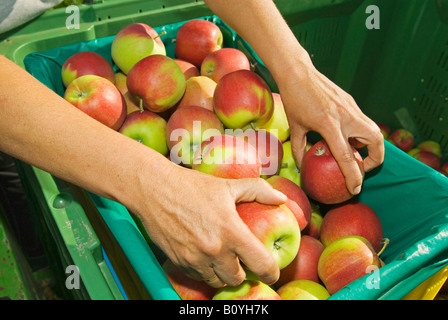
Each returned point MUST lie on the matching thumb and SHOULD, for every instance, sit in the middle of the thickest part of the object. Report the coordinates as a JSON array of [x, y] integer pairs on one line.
[[256, 189]]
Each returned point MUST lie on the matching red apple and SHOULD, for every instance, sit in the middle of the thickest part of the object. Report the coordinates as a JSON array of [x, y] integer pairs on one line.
[[229, 157], [430, 146], [313, 227], [385, 130], [303, 290], [346, 260], [189, 69], [99, 98], [275, 226], [221, 62], [198, 92], [85, 63], [247, 290], [120, 83], [147, 128], [196, 39], [242, 99], [402, 139], [296, 194], [320, 175], [352, 219], [278, 123], [444, 168], [187, 128], [304, 265], [133, 43], [157, 82], [428, 158], [186, 287]]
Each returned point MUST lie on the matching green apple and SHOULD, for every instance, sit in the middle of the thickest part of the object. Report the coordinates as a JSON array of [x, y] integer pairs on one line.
[[247, 290], [288, 168], [303, 290], [278, 124]]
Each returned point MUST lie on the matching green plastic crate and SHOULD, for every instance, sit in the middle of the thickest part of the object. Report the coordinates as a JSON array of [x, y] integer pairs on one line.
[[386, 70]]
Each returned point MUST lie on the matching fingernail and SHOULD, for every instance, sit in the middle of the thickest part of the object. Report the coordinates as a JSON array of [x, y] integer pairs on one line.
[[357, 190]]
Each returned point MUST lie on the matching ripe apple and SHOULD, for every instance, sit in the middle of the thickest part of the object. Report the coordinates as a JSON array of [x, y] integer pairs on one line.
[[431, 146], [227, 156], [85, 63], [275, 226], [428, 158], [402, 139], [247, 290], [352, 218], [133, 43], [196, 39], [278, 123], [199, 91], [147, 128], [186, 287], [303, 290], [187, 128], [296, 194], [99, 98], [189, 69], [313, 227], [221, 62], [304, 265], [385, 129], [120, 83], [320, 175], [242, 99], [444, 168], [346, 260], [269, 149], [289, 168], [157, 82]]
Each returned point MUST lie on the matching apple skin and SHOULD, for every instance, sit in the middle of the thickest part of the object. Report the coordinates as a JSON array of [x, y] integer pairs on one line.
[[296, 194], [133, 43], [199, 91], [444, 168], [85, 63], [247, 290], [147, 128], [221, 62], [186, 129], [189, 69], [120, 83], [196, 39], [385, 129], [430, 146], [186, 287], [346, 260], [228, 157], [243, 100], [303, 290], [402, 139], [313, 227], [304, 265], [99, 98], [157, 81], [275, 226], [352, 218], [278, 123], [320, 175], [289, 168], [428, 158]]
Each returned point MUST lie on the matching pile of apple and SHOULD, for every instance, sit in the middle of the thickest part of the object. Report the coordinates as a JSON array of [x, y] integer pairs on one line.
[[207, 110], [428, 152]]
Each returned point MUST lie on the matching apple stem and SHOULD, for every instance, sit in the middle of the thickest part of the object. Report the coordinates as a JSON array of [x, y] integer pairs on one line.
[[253, 126], [161, 34], [141, 105], [386, 242]]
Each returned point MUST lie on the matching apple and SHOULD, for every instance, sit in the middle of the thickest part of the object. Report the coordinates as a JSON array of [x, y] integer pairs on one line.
[[303, 290], [147, 128], [352, 218], [304, 265], [313, 227], [413, 152], [346, 260], [242, 99], [402, 139], [199, 91], [431, 146], [278, 123], [186, 287], [275, 226], [120, 83], [99, 98], [157, 82], [269, 149], [133, 43], [85, 63], [296, 194], [227, 156], [189, 69], [428, 158], [320, 175], [289, 168], [187, 128], [196, 39], [385, 129], [247, 290], [221, 62], [444, 168]]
